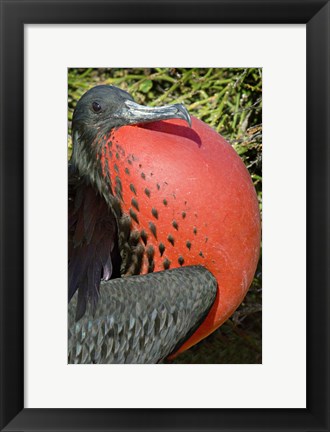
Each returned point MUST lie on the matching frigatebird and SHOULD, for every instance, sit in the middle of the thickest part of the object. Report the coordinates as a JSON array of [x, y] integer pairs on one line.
[[157, 241]]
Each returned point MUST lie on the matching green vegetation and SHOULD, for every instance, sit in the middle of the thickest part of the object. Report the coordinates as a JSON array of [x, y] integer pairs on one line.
[[230, 101]]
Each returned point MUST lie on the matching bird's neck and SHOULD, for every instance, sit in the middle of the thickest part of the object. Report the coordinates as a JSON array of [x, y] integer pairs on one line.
[[86, 159], [90, 162]]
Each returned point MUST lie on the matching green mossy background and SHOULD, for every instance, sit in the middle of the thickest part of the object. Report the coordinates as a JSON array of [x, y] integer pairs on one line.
[[230, 101]]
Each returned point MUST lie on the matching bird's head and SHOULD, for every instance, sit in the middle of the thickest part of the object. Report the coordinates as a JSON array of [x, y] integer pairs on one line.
[[104, 108]]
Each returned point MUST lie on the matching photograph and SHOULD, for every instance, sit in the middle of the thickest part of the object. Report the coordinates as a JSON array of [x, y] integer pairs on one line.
[[164, 215]]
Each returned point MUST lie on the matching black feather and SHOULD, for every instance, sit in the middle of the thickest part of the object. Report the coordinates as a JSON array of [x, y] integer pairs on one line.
[[93, 242]]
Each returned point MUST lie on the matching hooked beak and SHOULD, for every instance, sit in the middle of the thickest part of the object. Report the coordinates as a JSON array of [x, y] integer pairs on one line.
[[133, 113]]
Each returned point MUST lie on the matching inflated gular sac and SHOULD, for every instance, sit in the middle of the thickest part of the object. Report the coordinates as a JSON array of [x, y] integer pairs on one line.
[[192, 199]]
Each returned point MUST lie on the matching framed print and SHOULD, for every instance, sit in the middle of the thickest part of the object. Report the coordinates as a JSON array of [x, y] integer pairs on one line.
[[47, 45]]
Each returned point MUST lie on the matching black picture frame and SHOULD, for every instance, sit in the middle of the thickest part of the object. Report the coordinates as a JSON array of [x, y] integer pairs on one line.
[[14, 14]]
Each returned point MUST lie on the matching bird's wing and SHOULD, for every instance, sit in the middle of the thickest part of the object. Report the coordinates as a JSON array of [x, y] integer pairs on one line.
[[92, 243], [141, 319]]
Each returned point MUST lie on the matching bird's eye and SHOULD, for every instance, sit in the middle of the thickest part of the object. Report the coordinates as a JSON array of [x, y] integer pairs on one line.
[[96, 107]]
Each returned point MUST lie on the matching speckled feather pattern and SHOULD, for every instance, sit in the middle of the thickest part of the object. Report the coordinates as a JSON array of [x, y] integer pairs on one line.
[[164, 308]]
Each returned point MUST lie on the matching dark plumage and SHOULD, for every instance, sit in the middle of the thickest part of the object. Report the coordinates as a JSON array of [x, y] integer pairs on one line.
[[168, 307], [93, 243]]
